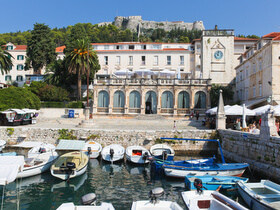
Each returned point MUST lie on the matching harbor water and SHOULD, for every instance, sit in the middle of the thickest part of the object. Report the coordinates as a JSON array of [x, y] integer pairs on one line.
[[119, 184]]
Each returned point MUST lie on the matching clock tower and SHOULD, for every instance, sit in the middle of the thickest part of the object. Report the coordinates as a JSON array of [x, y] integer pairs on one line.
[[217, 53]]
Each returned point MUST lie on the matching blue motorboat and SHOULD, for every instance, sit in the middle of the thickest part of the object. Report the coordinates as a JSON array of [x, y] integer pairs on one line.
[[213, 182]]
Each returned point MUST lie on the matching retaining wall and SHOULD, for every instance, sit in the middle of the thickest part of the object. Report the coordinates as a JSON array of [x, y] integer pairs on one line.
[[263, 156]]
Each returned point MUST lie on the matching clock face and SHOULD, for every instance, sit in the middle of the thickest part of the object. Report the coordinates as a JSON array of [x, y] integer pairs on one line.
[[218, 54]]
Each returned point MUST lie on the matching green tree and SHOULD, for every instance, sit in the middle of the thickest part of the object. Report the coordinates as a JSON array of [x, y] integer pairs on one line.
[[215, 93], [53, 93], [40, 49], [184, 39], [36, 86], [18, 98], [5, 61], [77, 59]]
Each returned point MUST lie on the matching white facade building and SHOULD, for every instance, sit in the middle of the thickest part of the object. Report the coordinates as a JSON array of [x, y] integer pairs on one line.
[[257, 75]]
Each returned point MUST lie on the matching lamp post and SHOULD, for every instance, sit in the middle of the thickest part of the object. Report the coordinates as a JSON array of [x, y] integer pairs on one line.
[[87, 107]]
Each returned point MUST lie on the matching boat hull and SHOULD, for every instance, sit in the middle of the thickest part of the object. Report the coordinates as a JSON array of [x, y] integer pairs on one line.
[[118, 153], [134, 154], [181, 172], [159, 205], [96, 149], [66, 176]]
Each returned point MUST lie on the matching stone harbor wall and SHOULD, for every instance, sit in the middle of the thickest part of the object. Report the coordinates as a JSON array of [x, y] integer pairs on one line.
[[125, 138], [263, 156]]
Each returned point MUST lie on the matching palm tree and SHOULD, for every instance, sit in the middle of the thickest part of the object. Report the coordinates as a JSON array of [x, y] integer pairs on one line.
[[77, 60], [5, 61]]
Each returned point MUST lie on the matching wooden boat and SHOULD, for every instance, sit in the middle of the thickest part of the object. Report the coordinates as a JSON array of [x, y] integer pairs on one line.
[[209, 199], [137, 154], [70, 165], [92, 149], [162, 152], [88, 202], [39, 158], [262, 195], [213, 182], [113, 153], [155, 203], [221, 169]]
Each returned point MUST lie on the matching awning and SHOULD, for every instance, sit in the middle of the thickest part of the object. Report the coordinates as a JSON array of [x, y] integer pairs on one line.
[[70, 145], [255, 101], [9, 167], [28, 144]]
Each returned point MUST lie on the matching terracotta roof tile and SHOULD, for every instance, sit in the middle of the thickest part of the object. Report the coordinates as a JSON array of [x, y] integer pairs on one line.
[[20, 47], [244, 39], [277, 38], [272, 35]]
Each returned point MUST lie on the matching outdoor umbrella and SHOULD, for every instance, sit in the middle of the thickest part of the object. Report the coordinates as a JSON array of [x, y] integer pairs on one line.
[[244, 117], [238, 110], [123, 72], [167, 72], [144, 72]]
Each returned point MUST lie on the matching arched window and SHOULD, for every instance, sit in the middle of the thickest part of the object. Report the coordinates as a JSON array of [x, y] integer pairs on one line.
[[151, 102], [118, 99], [183, 100], [134, 99], [167, 100], [200, 100], [103, 99]]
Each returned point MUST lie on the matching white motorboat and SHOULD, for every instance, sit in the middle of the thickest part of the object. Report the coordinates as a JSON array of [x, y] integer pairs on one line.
[[88, 202], [113, 153], [155, 203], [93, 149], [70, 165], [208, 199], [162, 152], [39, 158], [137, 154], [262, 195]]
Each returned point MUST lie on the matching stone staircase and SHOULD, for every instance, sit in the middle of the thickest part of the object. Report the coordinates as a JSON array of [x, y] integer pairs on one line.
[[149, 117]]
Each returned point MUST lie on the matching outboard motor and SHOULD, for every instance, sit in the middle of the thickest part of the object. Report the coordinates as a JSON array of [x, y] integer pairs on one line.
[[112, 153], [42, 150], [164, 155], [198, 185], [70, 166], [89, 199], [145, 156], [89, 150], [155, 194]]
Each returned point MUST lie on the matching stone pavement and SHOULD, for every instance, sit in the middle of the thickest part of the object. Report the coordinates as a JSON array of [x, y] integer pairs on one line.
[[140, 123]]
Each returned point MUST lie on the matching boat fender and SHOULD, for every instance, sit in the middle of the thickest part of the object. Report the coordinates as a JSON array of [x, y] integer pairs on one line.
[[70, 166], [155, 194], [112, 152], [89, 150], [145, 156], [198, 185], [89, 199]]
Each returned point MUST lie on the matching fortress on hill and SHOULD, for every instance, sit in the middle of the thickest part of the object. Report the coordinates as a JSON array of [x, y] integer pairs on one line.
[[135, 23]]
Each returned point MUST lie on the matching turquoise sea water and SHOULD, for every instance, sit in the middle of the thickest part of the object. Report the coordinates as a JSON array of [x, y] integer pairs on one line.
[[119, 184]]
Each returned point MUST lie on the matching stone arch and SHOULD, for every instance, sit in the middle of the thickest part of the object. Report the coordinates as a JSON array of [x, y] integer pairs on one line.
[[150, 102], [200, 100], [167, 100], [134, 99], [183, 100], [118, 99], [103, 99]]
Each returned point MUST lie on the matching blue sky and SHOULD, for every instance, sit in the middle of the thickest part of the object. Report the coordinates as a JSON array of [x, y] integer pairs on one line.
[[245, 17]]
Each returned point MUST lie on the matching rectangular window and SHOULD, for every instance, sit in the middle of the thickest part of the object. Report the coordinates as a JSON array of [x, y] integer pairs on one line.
[[143, 47], [241, 76], [143, 60], [20, 67], [260, 89], [168, 60], [8, 78], [155, 60], [254, 68], [106, 47], [182, 60], [131, 47], [259, 45], [119, 47], [118, 60], [254, 92], [237, 77], [130, 62], [19, 78], [247, 72], [94, 47], [20, 57], [105, 60], [9, 47], [260, 65], [156, 47], [246, 94]]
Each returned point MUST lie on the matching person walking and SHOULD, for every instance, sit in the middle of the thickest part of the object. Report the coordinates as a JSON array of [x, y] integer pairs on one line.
[[197, 115], [174, 127]]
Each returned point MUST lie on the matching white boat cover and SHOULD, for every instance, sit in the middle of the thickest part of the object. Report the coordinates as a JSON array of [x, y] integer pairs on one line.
[[70, 145], [9, 167], [28, 144]]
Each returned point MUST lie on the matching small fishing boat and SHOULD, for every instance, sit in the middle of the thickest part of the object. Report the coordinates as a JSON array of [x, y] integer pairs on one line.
[[137, 154], [113, 153], [2, 146], [70, 165], [88, 202], [155, 203], [220, 169], [39, 158], [208, 199], [263, 195], [162, 152], [92, 149], [214, 182]]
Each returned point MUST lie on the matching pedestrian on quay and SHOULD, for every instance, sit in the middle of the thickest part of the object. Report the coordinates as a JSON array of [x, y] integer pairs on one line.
[[197, 115], [174, 127]]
